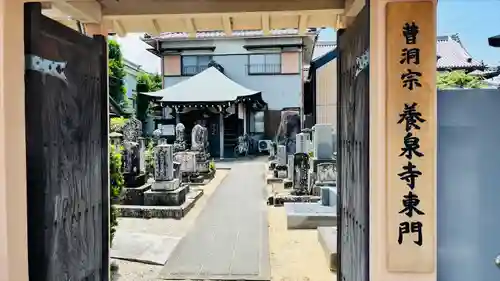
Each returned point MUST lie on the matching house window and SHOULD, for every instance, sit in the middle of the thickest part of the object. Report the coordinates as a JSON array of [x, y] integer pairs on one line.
[[257, 122], [192, 65], [264, 64]]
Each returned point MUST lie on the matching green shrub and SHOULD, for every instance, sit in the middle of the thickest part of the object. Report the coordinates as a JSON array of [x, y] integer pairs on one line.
[[211, 166], [149, 158], [116, 186], [116, 124]]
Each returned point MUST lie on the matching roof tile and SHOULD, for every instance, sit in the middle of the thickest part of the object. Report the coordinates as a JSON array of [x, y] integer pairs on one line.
[[452, 54], [236, 33]]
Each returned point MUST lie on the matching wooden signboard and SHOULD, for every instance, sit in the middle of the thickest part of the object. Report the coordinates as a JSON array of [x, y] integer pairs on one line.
[[411, 136]]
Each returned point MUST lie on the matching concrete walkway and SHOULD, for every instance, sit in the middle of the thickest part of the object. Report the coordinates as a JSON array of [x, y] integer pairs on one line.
[[229, 240]]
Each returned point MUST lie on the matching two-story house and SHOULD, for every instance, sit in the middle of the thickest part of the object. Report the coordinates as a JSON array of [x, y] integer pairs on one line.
[[269, 64], [132, 71]]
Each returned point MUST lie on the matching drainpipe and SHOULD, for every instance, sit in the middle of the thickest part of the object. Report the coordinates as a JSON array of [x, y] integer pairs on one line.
[[80, 27], [302, 116], [162, 60]]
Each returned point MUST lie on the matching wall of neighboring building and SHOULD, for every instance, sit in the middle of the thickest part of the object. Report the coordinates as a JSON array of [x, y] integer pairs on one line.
[[278, 90], [326, 93], [132, 70], [130, 81]]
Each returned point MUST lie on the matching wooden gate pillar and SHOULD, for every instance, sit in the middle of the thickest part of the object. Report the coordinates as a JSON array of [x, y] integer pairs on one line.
[[13, 221], [402, 81]]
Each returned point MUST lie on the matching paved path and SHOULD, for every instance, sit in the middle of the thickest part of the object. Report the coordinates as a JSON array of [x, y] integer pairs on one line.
[[229, 240]]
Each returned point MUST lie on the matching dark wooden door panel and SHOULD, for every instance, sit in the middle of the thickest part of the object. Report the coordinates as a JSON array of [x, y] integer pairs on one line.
[[353, 154], [67, 151]]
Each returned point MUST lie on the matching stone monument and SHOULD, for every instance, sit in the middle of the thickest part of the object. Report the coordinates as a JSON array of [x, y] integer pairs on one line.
[[199, 143], [323, 163], [280, 169], [157, 135], [322, 145], [133, 171], [322, 138], [167, 189], [116, 139], [281, 155], [300, 173], [180, 143], [288, 182], [302, 143]]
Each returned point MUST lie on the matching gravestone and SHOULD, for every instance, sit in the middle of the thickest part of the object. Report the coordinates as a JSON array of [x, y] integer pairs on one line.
[[326, 173], [134, 166], [180, 143], [281, 155], [163, 162], [142, 155], [199, 144], [302, 143], [116, 139], [300, 173], [167, 189], [322, 139], [132, 131], [157, 135], [288, 182], [187, 160], [334, 142], [290, 168]]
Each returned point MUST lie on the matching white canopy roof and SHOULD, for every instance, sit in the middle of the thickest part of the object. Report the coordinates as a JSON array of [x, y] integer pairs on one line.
[[209, 85], [495, 81]]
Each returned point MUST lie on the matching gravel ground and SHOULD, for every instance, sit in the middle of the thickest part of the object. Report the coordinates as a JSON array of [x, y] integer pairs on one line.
[[134, 271], [296, 255]]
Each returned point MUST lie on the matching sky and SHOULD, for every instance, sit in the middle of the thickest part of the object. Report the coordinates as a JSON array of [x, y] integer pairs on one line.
[[473, 20]]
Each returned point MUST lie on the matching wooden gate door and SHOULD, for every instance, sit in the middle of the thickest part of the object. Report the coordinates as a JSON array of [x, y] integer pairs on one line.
[[66, 151], [353, 133]]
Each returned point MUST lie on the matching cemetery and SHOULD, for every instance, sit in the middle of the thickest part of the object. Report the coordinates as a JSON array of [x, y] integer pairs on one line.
[[170, 181], [303, 180]]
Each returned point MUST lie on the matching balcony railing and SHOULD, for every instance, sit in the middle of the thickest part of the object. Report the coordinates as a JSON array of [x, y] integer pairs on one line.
[[264, 68], [193, 69]]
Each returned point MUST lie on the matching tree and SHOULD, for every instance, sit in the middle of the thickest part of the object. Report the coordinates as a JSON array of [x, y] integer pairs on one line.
[[116, 74], [458, 79], [146, 83]]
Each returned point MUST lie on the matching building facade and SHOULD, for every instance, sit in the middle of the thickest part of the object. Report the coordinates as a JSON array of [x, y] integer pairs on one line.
[[132, 71], [320, 85], [272, 65]]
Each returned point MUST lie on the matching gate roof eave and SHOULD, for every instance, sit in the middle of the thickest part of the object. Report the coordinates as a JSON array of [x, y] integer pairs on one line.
[[156, 17]]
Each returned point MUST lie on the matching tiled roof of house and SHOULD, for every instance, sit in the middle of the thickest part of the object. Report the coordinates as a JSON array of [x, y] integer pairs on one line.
[[222, 34], [452, 54], [322, 48]]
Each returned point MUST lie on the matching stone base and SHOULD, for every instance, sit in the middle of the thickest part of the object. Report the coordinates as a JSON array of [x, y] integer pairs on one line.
[[280, 199], [272, 179], [166, 185], [134, 180], [313, 163], [162, 212], [203, 166], [327, 237], [280, 174], [272, 165], [166, 198], [309, 215], [209, 174], [135, 195]]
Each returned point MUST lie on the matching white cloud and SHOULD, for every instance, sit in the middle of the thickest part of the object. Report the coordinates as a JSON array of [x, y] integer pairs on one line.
[[134, 50]]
